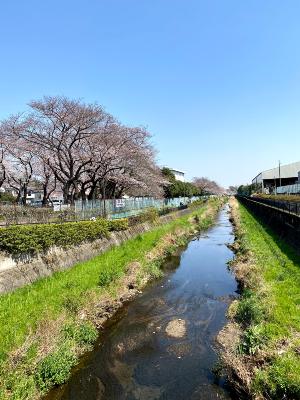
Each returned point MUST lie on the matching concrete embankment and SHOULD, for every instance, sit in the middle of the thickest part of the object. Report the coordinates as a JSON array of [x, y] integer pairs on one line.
[[19, 271]]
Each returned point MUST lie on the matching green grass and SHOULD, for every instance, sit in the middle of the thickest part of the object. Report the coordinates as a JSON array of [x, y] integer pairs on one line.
[[22, 309], [64, 294], [270, 310]]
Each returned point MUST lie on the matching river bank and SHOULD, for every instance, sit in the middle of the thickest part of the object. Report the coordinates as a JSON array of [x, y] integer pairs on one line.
[[46, 326], [162, 344], [260, 346]]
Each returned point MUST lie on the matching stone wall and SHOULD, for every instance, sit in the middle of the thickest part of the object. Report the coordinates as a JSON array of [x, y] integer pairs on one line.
[[15, 273]]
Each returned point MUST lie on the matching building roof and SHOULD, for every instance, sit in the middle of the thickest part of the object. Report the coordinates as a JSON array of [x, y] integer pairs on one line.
[[176, 170], [286, 171]]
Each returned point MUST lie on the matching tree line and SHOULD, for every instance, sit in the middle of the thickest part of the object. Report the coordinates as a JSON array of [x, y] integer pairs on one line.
[[81, 149]]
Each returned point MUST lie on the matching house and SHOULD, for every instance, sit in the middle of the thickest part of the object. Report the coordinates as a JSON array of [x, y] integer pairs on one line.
[[179, 175]]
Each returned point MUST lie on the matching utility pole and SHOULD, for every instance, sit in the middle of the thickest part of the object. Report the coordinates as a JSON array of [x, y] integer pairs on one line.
[[279, 173]]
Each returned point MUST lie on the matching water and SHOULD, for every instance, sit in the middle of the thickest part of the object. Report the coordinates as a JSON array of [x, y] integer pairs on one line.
[[136, 359]]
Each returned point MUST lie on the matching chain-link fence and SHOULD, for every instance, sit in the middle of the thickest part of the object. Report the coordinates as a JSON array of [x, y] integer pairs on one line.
[[124, 208], [85, 210]]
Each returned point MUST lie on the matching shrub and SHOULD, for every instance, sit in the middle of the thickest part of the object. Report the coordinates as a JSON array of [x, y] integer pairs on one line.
[[55, 368], [31, 239], [7, 197], [197, 203], [118, 224], [150, 215]]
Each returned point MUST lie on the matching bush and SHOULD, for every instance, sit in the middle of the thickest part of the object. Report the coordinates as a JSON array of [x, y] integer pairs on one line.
[[197, 203], [83, 334], [167, 210], [31, 239], [7, 197], [55, 368], [150, 215], [118, 224]]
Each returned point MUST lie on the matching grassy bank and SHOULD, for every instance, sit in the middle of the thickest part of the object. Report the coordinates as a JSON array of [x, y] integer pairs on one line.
[[44, 327], [262, 344]]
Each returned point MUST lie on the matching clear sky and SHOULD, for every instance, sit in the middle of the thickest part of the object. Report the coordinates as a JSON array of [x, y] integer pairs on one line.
[[217, 82]]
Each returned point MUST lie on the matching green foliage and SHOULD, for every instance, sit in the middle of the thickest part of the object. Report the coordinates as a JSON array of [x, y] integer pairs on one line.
[[72, 303], [18, 386], [181, 189], [84, 334], [35, 238], [22, 311], [269, 311], [253, 338], [249, 310], [118, 224], [55, 368], [281, 379], [247, 190], [178, 188], [150, 215], [198, 203], [7, 197], [108, 276], [168, 174]]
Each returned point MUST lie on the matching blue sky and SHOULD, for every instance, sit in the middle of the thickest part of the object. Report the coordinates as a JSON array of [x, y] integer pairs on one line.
[[216, 82]]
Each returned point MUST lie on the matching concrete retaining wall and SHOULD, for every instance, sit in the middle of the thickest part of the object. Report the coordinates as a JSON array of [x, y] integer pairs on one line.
[[15, 273]]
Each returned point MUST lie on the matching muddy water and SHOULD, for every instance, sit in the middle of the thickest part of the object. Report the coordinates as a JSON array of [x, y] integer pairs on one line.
[[161, 346]]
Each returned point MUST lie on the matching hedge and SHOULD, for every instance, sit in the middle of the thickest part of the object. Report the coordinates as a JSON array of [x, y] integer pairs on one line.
[[31, 239]]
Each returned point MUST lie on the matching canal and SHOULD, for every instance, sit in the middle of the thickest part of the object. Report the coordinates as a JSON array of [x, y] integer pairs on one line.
[[162, 345]]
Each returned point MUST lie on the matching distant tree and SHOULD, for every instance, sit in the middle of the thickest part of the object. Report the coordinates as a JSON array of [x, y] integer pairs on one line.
[[232, 189], [248, 190], [207, 186], [244, 190], [168, 174], [179, 188]]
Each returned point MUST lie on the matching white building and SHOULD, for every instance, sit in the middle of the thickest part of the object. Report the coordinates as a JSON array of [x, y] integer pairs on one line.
[[282, 175], [179, 175]]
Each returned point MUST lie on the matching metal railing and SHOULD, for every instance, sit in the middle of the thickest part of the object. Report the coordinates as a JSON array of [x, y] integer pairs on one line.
[[291, 207]]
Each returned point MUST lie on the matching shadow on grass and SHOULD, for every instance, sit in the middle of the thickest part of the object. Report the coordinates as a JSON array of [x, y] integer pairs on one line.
[[282, 235]]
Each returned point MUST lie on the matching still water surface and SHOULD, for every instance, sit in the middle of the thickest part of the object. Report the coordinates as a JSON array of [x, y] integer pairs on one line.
[[136, 359]]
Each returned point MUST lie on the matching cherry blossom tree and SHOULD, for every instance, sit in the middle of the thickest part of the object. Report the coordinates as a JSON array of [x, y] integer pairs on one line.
[[78, 147]]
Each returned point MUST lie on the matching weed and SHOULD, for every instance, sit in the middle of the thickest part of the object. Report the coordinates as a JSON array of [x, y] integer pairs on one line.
[[83, 334], [72, 303], [55, 368], [249, 310], [253, 338]]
